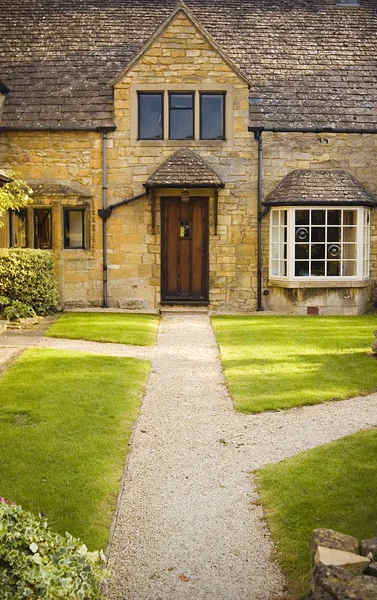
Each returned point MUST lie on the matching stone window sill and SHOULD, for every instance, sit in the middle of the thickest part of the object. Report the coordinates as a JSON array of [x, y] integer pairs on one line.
[[281, 283]]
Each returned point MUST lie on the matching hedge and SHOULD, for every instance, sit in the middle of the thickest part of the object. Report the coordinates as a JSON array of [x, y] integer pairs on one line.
[[28, 276]]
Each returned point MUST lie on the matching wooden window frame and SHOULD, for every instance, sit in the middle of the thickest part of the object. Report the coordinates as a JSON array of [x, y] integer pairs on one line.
[[201, 94], [147, 93], [66, 211]]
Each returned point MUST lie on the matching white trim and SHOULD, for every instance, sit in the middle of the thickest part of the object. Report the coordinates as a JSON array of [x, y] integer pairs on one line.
[[291, 277]]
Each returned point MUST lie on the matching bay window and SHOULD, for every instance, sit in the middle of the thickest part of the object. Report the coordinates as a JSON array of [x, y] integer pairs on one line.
[[319, 243]]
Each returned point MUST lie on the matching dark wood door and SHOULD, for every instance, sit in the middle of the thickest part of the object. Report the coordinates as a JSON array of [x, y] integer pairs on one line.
[[184, 251]]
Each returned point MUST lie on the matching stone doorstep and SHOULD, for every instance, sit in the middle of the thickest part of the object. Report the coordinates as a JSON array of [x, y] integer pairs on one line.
[[340, 558], [184, 310]]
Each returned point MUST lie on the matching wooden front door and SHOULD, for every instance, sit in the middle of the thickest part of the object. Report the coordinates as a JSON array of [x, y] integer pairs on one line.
[[184, 251]]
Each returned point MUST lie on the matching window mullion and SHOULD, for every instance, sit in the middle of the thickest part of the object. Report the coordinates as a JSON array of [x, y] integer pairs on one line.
[[166, 115], [291, 242], [360, 242]]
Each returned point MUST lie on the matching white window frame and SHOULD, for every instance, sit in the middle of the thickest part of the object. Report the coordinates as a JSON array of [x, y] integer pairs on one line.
[[362, 245]]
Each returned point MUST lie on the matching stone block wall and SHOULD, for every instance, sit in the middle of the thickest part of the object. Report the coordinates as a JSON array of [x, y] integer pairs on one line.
[[69, 157], [342, 567]]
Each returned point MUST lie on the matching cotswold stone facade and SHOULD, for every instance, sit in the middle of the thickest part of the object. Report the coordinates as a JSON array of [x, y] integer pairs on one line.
[[189, 240]]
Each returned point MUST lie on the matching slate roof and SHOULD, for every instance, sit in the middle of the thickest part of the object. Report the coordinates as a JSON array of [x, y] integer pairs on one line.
[[312, 63], [184, 168], [315, 186], [46, 187]]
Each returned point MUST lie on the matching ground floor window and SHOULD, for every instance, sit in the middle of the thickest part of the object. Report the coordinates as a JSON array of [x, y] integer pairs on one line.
[[43, 228], [74, 225], [18, 228], [318, 242]]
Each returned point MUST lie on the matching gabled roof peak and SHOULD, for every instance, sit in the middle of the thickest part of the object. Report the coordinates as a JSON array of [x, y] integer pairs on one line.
[[182, 7]]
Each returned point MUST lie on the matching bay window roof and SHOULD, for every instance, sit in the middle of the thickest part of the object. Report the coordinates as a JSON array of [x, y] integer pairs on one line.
[[320, 187]]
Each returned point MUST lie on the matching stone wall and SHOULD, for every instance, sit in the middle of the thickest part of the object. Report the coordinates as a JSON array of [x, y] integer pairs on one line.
[[342, 567], [182, 59], [69, 157]]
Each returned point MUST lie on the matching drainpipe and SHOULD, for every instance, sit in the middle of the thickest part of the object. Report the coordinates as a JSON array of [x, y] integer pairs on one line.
[[104, 220], [259, 139]]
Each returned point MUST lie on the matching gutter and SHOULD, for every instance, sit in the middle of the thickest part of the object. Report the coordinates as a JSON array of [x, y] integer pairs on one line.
[[258, 131], [94, 128]]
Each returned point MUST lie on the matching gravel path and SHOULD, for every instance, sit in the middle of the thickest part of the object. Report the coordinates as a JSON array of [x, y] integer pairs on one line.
[[189, 526]]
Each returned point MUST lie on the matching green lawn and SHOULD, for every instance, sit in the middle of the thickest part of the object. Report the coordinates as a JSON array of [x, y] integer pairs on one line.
[[65, 423], [334, 486], [276, 362], [118, 328]]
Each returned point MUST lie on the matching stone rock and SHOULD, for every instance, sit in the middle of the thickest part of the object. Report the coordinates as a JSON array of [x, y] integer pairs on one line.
[[335, 583], [328, 538], [331, 556], [369, 546], [371, 570]]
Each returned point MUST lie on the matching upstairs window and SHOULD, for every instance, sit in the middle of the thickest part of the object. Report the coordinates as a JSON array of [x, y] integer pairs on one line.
[[190, 115], [151, 116], [181, 116], [320, 243], [212, 116], [42, 228]]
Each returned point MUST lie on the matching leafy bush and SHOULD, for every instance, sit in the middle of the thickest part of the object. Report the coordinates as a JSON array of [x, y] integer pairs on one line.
[[18, 310], [14, 195], [26, 275], [36, 563], [4, 301]]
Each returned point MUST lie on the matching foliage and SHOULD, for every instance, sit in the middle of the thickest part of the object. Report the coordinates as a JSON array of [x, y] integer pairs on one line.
[[18, 310], [27, 275], [14, 195], [4, 301], [119, 328], [36, 563], [65, 421], [277, 362], [333, 486]]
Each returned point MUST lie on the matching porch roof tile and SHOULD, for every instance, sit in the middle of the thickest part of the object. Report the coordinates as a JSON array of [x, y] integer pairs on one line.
[[315, 186], [184, 168]]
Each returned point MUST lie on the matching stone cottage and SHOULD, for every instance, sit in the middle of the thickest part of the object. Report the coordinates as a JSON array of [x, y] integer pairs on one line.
[[219, 154]]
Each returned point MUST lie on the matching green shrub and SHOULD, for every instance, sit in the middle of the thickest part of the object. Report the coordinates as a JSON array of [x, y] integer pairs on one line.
[[27, 275], [36, 563], [18, 310]]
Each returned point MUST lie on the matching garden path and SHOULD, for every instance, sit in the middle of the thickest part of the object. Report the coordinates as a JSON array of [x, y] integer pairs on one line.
[[189, 525]]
